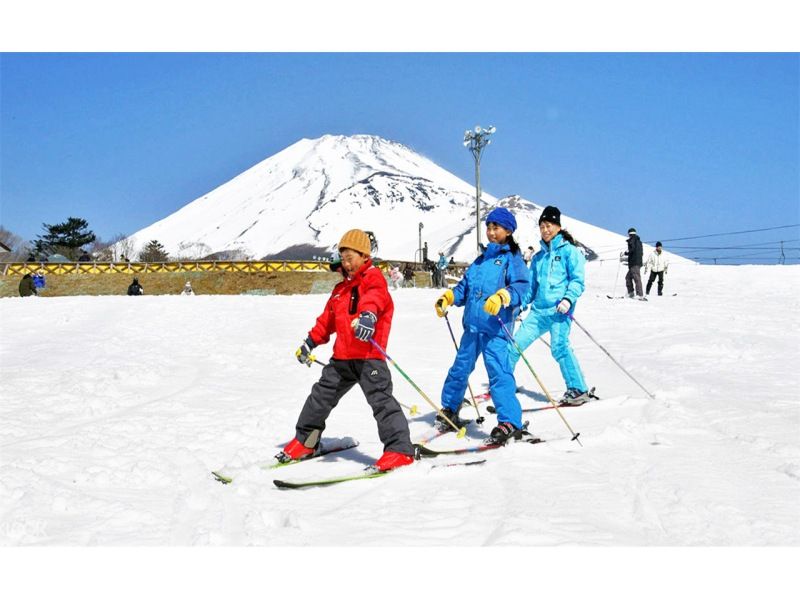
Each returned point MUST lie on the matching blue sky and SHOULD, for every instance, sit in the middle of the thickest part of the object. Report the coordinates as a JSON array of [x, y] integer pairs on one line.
[[677, 145]]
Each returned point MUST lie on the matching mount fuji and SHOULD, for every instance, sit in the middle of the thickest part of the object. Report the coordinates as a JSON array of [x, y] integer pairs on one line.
[[297, 204]]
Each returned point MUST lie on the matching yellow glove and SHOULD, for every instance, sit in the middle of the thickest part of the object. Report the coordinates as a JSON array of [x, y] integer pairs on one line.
[[501, 298], [445, 301]]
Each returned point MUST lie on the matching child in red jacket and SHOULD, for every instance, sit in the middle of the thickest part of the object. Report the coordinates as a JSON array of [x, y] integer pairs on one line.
[[359, 308]]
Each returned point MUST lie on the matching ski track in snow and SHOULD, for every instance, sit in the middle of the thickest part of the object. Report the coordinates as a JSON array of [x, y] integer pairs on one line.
[[115, 410]]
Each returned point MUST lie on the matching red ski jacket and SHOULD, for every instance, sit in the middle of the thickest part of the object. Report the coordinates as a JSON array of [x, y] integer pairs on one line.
[[365, 291]]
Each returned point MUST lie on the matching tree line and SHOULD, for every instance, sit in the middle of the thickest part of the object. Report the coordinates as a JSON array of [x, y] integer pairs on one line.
[[75, 241]]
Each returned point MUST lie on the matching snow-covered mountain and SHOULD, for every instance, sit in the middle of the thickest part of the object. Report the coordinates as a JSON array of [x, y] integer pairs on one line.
[[297, 204]]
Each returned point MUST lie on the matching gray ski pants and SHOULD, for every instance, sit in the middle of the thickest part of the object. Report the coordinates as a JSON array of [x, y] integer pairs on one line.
[[634, 275], [375, 380]]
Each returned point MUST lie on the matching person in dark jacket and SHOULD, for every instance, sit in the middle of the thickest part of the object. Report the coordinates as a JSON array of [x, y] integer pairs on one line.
[[359, 309], [135, 288], [635, 262], [26, 286]]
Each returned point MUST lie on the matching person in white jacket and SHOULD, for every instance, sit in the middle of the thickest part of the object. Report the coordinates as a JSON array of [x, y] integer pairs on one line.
[[657, 264]]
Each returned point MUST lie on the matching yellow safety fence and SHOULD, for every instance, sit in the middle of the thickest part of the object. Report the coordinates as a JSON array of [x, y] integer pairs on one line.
[[21, 268]]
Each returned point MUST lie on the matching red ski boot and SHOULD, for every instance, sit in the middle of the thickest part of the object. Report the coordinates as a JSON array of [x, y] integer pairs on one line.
[[391, 460]]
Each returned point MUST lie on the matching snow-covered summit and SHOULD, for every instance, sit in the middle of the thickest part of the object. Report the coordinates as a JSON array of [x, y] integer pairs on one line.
[[298, 203]]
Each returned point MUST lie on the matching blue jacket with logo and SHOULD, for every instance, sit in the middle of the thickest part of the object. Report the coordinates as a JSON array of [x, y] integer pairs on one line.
[[495, 269], [557, 271]]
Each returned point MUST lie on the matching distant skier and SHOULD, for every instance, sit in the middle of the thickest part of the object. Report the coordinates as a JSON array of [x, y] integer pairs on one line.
[[135, 288], [634, 255], [492, 286], [441, 271], [359, 308], [187, 289], [396, 277], [527, 255], [657, 264], [39, 280], [557, 280]]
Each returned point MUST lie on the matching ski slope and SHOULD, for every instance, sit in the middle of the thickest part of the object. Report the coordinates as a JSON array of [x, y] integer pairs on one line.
[[116, 409]]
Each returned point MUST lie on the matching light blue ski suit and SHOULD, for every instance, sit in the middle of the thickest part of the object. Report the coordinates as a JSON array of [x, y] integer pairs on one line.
[[495, 269], [557, 272]]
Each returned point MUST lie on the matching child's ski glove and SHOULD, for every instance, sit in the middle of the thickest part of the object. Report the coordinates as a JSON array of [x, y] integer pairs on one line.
[[364, 325], [303, 354], [446, 300], [501, 298], [563, 306]]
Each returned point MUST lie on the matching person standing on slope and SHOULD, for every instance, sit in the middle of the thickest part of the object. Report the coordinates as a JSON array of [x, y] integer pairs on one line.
[[557, 280], [657, 264], [360, 308], [492, 286], [634, 255]]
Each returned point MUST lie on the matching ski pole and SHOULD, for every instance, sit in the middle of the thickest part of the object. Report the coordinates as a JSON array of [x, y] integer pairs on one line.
[[571, 317], [616, 278], [480, 418], [460, 433], [413, 410], [547, 394]]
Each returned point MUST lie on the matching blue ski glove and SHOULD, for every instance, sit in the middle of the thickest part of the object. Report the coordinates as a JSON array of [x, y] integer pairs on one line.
[[303, 354], [364, 325]]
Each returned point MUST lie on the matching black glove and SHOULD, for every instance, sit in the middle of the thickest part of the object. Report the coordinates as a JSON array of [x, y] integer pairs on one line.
[[303, 354], [364, 325]]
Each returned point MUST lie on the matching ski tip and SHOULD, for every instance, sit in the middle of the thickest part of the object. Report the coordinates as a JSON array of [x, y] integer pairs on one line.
[[221, 478]]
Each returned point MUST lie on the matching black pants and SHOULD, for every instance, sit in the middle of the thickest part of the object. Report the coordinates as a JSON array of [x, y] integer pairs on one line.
[[634, 276], [375, 380], [652, 278]]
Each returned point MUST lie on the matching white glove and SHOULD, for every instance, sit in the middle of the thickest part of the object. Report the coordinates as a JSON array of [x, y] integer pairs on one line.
[[563, 306]]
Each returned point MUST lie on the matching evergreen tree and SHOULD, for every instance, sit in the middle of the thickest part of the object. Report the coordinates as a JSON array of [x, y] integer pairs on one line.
[[66, 238], [153, 252]]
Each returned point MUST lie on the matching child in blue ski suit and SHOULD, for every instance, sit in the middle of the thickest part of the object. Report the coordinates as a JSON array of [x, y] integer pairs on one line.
[[493, 286], [557, 280]]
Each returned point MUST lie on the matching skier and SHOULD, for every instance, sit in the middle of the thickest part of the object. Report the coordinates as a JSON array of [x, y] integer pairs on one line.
[[135, 288], [657, 264], [359, 308], [557, 280], [634, 255], [441, 271], [396, 277], [187, 289], [492, 286]]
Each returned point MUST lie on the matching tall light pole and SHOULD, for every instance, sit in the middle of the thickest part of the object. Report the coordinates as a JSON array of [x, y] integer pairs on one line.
[[420, 242], [475, 141]]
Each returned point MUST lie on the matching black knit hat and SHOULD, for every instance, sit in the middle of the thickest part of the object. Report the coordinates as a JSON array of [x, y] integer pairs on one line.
[[551, 214], [658, 244], [632, 230]]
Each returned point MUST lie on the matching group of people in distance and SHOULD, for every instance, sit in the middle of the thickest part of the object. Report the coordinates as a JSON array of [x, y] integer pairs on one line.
[[493, 291], [656, 266]]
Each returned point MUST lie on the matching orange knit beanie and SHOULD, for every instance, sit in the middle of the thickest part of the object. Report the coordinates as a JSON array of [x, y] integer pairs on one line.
[[356, 239]]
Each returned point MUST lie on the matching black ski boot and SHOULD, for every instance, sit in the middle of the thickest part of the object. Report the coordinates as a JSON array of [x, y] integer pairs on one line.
[[574, 397], [502, 434], [441, 423]]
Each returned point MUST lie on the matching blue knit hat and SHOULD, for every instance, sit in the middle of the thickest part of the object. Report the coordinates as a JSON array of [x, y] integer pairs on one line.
[[502, 217]]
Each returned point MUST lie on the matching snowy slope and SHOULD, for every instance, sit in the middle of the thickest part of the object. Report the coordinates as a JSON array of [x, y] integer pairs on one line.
[[111, 442], [307, 195]]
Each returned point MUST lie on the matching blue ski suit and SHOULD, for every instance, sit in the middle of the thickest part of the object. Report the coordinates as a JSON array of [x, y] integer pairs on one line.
[[557, 272], [495, 269]]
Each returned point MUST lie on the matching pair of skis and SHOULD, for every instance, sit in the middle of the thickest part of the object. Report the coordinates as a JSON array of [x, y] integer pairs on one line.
[[592, 396]]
